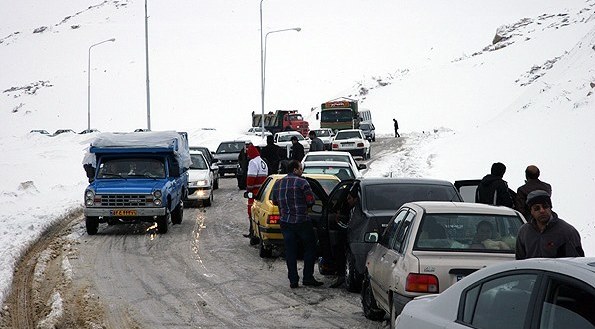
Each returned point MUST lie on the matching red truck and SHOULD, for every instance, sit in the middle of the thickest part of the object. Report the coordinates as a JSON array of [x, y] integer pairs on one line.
[[282, 121]]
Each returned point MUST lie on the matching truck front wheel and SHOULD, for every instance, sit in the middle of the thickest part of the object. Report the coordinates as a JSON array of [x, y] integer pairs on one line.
[[162, 222], [92, 224], [178, 214]]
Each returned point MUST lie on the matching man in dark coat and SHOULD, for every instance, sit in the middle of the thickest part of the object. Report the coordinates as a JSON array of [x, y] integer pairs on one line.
[[243, 166], [532, 183], [396, 124], [272, 154], [493, 189], [546, 235], [297, 149]]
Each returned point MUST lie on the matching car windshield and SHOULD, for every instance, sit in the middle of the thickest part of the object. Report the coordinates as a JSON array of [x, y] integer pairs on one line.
[[393, 196], [287, 138], [470, 232], [347, 135], [327, 157], [364, 126], [322, 133], [341, 172], [131, 168], [198, 162], [230, 147]]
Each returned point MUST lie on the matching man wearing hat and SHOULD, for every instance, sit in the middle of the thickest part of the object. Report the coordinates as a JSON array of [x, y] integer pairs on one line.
[[546, 235]]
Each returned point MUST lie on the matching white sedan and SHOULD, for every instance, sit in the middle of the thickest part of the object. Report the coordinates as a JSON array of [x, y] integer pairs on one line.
[[532, 293], [200, 180], [352, 141], [335, 156], [283, 139]]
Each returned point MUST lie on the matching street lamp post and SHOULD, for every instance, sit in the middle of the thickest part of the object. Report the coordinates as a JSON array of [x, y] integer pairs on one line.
[[89, 82], [264, 65], [147, 67]]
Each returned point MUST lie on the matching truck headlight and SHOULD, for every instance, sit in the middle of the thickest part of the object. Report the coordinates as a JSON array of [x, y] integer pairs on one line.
[[157, 198], [89, 198]]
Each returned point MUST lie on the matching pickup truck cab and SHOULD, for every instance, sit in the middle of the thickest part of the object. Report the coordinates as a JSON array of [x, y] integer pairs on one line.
[[137, 177]]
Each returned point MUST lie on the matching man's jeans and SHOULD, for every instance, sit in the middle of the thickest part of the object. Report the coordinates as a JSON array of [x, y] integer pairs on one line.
[[292, 233]]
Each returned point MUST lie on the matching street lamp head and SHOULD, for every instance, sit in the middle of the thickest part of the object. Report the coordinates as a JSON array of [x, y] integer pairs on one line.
[[112, 39], [298, 29]]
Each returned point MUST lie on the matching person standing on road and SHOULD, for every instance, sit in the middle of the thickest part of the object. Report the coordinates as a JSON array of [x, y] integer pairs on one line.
[[271, 153], [546, 235], [532, 183], [396, 124], [242, 166], [293, 195], [297, 149], [256, 175], [493, 189], [342, 218], [316, 144]]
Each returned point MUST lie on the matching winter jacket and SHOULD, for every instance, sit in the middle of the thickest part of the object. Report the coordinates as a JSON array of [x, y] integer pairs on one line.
[[559, 239], [316, 144], [272, 155], [522, 192], [257, 170], [297, 152], [493, 190]]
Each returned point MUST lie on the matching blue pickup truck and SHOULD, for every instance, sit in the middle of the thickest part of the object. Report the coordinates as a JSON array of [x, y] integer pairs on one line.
[[136, 177]]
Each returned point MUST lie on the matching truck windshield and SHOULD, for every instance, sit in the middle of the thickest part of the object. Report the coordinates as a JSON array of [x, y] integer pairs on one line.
[[295, 117], [131, 168], [336, 115]]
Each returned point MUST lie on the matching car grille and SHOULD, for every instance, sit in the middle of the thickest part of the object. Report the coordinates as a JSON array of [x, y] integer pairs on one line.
[[125, 200]]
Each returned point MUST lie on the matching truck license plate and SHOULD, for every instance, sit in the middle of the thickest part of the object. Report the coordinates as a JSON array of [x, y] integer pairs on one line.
[[123, 212]]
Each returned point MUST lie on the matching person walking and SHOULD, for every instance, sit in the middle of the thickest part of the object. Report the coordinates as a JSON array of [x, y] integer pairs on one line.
[[316, 144], [242, 166], [297, 149], [396, 124], [272, 154], [546, 235], [293, 195], [532, 183], [493, 189], [256, 175]]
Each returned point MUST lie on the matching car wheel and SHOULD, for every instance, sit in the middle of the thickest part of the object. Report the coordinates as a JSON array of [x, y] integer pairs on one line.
[[216, 184], [209, 201], [162, 222], [374, 139], [264, 251], [92, 224], [353, 281], [369, 305], [369, 153], [178, 214]]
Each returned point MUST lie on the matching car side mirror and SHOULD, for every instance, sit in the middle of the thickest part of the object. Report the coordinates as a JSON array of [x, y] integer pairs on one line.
[[317, 209], [361, 166], [371, 237], [248, 195]]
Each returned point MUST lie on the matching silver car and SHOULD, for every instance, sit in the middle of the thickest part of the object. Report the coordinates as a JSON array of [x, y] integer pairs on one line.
[[429, 246]]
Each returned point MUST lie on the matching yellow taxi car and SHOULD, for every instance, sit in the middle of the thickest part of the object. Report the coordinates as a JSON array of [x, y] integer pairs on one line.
[[265, 215]]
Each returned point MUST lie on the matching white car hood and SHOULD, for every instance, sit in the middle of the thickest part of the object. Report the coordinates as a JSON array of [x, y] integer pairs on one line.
[[197, 174]]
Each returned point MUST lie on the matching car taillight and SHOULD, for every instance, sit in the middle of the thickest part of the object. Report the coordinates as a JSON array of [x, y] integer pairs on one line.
[[335, 146], [422, 283], [360, 144], [273, 219]]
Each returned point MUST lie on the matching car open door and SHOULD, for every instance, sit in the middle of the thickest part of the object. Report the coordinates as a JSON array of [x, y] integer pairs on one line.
[[467, 189]]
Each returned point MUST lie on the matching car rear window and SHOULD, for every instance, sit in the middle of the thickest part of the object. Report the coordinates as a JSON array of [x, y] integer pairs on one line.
[[393, 196], [347, 135], [327, 157], [468, 232], [342, 173]]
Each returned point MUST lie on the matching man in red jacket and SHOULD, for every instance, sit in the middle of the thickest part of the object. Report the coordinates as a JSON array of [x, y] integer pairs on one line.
[[256, 175]]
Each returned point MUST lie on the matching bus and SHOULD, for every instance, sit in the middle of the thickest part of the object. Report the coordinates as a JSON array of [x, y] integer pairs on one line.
[[365, 115], [339, 114]]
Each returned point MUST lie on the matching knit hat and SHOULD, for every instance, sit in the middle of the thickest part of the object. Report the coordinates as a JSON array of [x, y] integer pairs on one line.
[[539, 196]]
